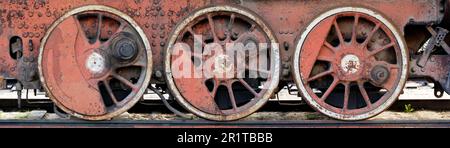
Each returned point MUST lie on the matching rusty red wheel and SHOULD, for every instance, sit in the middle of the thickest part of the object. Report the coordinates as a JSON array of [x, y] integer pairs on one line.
[[351, 64], [222, 40], [95, 62]]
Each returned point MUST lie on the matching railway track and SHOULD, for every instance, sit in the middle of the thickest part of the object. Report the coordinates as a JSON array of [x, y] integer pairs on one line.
[[237, 124]]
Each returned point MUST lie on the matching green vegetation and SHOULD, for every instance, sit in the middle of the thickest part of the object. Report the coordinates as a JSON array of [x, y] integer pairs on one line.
[[312, 116], [409, 108]]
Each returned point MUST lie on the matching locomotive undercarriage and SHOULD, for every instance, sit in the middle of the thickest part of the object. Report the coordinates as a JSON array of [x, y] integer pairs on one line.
[[350, 59]]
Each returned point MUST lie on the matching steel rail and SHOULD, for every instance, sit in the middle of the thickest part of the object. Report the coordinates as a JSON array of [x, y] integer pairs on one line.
[[236, 124]]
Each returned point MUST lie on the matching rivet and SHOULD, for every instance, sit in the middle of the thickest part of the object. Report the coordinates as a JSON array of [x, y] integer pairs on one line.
[[154, 26], [158, 74]]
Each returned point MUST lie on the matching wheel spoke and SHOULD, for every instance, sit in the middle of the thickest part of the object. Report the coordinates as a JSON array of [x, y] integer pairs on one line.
[[338, 32], [369, 37], [230, 26], [231, 23], [99, 29], [232, 98], [214, 91], [196, 38], [126, 82], [364, 94], [320, 75], [346, 96], [123, 25], [252, 28], [330, 89], [82, 39], [110, 92], [394, 67], [330, 47], [141, 62], [355, 28], [249, 88], [213, 28], [373, 53]]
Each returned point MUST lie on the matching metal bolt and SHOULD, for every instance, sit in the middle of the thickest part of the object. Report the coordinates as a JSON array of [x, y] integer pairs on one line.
[[30, 45], [158, 74], [413, 70], [286, 46], [235, 35], [125, 49], [48, 14], [379, 74]]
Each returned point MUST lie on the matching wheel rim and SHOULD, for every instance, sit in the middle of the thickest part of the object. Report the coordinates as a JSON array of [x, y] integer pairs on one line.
[[362, 67], [221, 98], [94, 62]]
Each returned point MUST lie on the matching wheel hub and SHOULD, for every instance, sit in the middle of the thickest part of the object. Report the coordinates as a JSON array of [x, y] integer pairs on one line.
[[223, 66], [125, 49], [350, 64], [96, 63]]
